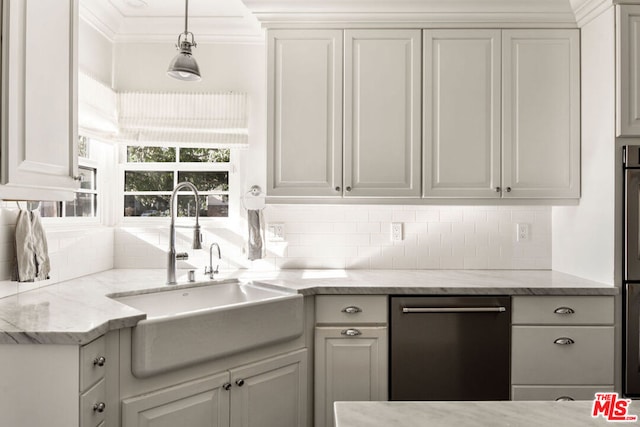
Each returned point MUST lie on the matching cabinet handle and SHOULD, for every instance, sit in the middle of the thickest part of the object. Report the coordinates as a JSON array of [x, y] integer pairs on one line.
[[508, 189], [78, 178], [352, 309], [498, 189], [348, 189], [337, 188], [240, 382], [99, 361], [99, 407], [226, 386], [351, 332], [563, 341], [564, 310], [565, 399]]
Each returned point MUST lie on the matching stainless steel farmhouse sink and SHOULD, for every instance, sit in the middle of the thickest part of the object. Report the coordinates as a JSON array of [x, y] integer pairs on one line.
[[191, 325]]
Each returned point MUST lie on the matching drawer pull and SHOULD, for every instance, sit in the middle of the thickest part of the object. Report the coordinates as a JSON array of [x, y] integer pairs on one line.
[[352, 309], [563, 341], [565, 399], [409, 310], [99, 407], [99, 361], [564, 310], [351, 332]]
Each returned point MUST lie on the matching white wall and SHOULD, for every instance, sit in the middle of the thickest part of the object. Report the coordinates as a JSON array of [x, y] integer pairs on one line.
[[584, 235], [95, 53]]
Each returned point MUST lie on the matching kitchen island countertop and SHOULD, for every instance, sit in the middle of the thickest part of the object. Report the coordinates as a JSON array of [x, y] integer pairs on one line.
[[469, 414], [78, 311]]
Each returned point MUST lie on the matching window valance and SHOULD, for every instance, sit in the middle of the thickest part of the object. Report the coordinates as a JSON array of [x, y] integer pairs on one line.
[[206, 119]]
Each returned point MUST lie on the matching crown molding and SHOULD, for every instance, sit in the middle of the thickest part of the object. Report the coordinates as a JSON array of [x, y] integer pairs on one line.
[[108, 21], [413, 13], [586, 10]]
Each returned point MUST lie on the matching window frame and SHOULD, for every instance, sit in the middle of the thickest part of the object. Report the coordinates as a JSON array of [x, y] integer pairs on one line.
[[123, 165], [90, 221]]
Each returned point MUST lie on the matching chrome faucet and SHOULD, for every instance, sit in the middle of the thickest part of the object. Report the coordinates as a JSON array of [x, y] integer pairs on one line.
[[197, 241], [209, 269]]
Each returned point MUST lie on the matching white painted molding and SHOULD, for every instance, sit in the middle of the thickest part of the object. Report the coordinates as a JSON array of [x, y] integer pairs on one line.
[[116, 28], [586, 10], [413, 13]]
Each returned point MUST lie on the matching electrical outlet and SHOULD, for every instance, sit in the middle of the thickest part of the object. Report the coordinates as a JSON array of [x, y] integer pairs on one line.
[[522, 232], [275, 232], [396, 231]]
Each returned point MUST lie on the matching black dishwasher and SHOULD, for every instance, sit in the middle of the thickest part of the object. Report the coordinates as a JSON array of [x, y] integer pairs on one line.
[[450, 348]]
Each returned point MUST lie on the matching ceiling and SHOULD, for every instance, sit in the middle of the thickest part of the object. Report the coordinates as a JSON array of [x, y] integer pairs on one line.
[[239, 21], [162, 20]]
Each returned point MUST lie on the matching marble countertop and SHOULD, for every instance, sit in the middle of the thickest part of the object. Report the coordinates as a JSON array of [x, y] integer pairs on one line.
[[469, 414], [79, 311]]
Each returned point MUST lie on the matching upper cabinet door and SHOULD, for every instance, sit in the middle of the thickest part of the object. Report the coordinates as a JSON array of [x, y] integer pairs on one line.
[[304, 113], [541, 113], [39, 85], [628, 66], [461, 130], [382, 113]]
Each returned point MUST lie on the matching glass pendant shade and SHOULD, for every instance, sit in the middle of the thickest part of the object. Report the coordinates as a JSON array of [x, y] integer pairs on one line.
[[183, 66]]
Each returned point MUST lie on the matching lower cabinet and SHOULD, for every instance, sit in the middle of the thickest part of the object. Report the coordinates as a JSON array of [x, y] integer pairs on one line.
[[562, 347], [271, 392], [351, 352]]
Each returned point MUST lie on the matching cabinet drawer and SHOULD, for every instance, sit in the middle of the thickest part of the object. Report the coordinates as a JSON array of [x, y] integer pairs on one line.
[[562, 310], [558, 392], [92, 363], [537, 359], [351, 309], [92, 412]]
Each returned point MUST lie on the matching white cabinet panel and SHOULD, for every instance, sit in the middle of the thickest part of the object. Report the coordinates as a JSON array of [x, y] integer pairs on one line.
[[271, 392], [461, 128], [348, 368], [541, 113], [382, 113], [198, 403], [304, 113], [628, 81], [39, 74]]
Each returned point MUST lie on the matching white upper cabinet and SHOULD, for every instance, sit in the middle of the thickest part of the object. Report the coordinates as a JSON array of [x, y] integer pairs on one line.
[[461, 127], [382, 113], [628, 79], [541, 113], [39, 99], [304, 113]]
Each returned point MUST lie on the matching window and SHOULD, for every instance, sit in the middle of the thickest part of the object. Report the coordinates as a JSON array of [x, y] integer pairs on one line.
[[151, 173], [85, 203]]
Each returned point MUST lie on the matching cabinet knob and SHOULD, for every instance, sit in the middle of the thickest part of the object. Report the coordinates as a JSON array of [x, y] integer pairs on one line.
[[498, 189], [564, 310], [563, 341], [508, 189], [240, 382], [351, 332], [99, 407], [78, 178], [337, 188], [348, 189], [226, 386], [352, 309], [99, 361], [565, 399]]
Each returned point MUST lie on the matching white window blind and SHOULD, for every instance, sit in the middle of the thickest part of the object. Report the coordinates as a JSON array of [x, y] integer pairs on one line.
[[209, 119], [97, 107]]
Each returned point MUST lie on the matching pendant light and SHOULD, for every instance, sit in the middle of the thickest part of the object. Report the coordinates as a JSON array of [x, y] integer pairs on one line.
[[184, 66]]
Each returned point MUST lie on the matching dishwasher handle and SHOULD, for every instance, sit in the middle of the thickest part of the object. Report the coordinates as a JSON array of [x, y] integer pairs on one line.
[[409, 310]]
